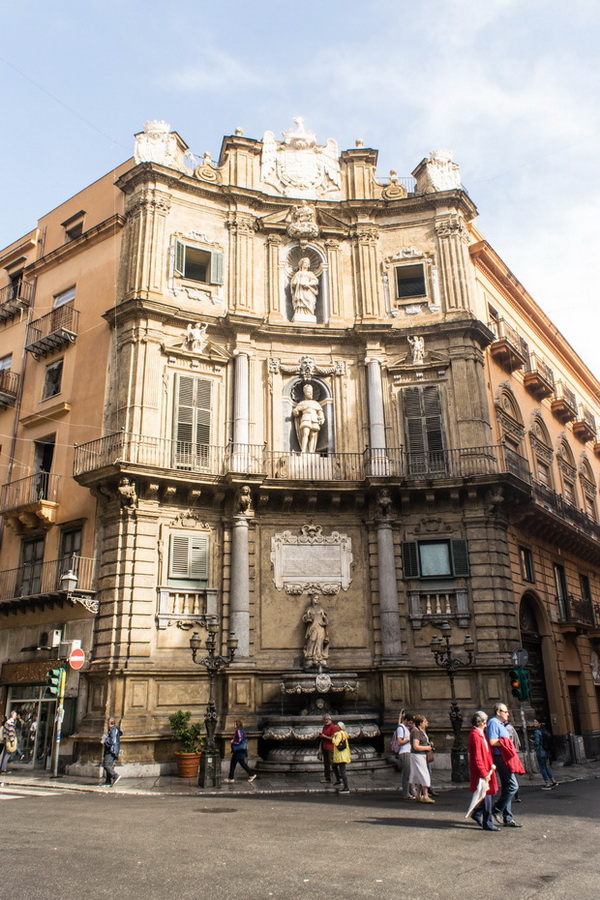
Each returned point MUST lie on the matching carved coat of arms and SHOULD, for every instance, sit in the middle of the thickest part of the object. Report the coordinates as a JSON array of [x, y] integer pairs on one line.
[[297, 167]]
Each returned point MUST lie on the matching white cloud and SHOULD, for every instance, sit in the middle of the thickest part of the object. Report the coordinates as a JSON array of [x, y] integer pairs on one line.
[[217, 71]]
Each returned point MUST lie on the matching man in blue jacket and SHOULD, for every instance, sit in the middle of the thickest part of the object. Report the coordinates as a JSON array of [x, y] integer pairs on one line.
[[112, 747]]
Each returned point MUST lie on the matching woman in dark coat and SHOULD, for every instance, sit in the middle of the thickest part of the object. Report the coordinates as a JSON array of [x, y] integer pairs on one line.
[[239, 752], [481, 765]]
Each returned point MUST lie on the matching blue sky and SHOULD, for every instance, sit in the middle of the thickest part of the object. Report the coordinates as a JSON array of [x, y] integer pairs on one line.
[[511, 86]]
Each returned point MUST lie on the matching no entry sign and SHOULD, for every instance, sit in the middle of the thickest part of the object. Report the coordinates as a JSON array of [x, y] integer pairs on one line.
[[77, 659]]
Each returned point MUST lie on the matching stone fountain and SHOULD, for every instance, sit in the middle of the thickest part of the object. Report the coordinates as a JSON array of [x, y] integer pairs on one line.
[[290, 740]]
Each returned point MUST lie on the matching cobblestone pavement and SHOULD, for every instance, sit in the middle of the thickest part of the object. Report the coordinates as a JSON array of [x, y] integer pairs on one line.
[[386, 780]]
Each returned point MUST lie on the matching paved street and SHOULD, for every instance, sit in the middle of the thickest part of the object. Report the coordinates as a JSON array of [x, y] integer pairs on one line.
[[66, 845]]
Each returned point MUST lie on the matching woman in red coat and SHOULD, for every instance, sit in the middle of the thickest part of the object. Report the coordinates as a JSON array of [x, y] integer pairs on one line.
[[481, 765]]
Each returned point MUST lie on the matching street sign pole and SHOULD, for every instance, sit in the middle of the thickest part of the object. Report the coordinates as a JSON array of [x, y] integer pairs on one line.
[[60, 711]]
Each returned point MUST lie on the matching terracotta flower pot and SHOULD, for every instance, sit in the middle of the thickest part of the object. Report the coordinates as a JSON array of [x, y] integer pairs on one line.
[[188, 764]]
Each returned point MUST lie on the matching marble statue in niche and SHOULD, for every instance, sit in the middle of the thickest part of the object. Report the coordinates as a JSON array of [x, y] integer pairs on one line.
[[304, 286], [309, 419], [417, 348], [195, 337], [316, 637]]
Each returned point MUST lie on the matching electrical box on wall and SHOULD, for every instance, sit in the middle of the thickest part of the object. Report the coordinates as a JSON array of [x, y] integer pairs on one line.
[[66, 648]]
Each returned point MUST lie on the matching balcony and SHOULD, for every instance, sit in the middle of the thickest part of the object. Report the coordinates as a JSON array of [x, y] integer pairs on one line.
[[566, 513], [9, 387], [14, 298], [51, 332], [538, 378], [185, 607], [40, 584], [509, 349], [564, 405], [436, 606], [584, 426], [30, 503], [577, 614], [183, 462]]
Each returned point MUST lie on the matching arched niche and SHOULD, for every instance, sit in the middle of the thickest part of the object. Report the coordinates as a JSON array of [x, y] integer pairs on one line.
[[510, 419], [536, 639], [292, 395], [290, 262]]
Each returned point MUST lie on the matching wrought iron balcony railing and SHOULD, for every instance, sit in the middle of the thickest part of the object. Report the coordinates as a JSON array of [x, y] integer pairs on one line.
[[578, 610], [564, 404], [54, 330], [33, 488], [9, 387], [509, 348], [14, 298], [123, 448], [539, 377], [36, 578], [567, 511]]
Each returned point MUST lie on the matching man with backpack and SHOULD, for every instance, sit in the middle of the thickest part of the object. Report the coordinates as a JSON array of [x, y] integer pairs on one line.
[[542, 744], [401, 749]]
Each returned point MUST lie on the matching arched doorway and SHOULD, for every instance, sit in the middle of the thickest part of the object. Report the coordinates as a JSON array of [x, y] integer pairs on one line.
[[531, 640]]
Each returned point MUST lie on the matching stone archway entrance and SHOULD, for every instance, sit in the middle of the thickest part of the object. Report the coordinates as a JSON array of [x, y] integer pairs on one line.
[[531, 640]]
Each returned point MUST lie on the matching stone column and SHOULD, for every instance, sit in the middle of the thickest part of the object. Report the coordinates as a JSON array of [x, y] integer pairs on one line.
[[391, 644], [145, 242], [368, 286], [241, 245], [239, 591], [241, 400], [377, 440], [456, 267]]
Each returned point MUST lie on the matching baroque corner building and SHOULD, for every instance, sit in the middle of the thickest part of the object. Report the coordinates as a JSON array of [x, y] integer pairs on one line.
[[310, 404]]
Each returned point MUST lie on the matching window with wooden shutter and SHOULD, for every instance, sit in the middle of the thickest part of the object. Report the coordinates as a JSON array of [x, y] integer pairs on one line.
[[188, 558], [193, 418], [423, 429], [435, 559], [198, 264]]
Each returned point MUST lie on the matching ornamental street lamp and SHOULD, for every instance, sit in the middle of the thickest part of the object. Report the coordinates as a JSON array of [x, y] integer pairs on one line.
[[445, 659], [210, 764]]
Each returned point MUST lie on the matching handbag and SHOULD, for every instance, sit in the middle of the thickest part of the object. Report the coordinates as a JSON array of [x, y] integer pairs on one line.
[[342, 745], [430, 756], [11, 745], [320, 753]]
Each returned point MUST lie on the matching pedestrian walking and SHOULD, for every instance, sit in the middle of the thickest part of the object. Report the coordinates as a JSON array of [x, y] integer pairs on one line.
[[542, 744], [326, 748], [481, 766], [420, 751], [9, 730], [507, 764], [239, 753], [514, 736], [401, 746], [341, 757], [111, 741]]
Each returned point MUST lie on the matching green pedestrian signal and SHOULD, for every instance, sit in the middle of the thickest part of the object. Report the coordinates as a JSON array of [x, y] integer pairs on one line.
[[53, 677], [519, 683]]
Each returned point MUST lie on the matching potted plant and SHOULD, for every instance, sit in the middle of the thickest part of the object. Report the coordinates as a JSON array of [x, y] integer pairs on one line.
[[191, 740]]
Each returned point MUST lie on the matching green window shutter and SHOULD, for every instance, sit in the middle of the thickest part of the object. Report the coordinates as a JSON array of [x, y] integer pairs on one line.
[[216, 268], [188, 557], [199, 557], [423, 428], [460, 557], [179, 258], [193, 410], [410, 559]]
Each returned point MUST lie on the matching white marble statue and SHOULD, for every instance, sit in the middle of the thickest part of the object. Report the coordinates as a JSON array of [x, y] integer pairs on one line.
[[417, 348], [195, 337], [316, 638], [309, 417], [304, 286]]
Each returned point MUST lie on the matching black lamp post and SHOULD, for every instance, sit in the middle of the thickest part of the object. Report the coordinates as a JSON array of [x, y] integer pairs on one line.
[[445, 659], [210, 764]]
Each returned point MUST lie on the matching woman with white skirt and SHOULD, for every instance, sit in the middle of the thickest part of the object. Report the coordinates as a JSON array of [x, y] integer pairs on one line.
[[420, 749]]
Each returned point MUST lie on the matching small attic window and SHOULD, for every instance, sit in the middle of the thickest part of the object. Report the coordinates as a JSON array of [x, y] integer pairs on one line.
[[74, 226], [410, 281]]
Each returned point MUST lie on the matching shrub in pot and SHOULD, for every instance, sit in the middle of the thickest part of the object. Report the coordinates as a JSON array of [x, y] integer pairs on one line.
[[191, 740]]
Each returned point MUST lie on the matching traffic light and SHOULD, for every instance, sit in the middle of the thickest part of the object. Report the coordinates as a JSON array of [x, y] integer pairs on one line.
[[53, 677], [519, 682]]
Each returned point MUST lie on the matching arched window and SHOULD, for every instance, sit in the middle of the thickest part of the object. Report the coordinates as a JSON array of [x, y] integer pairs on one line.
[[568, 472], [588, 488], [542, 452], [510, 420]]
